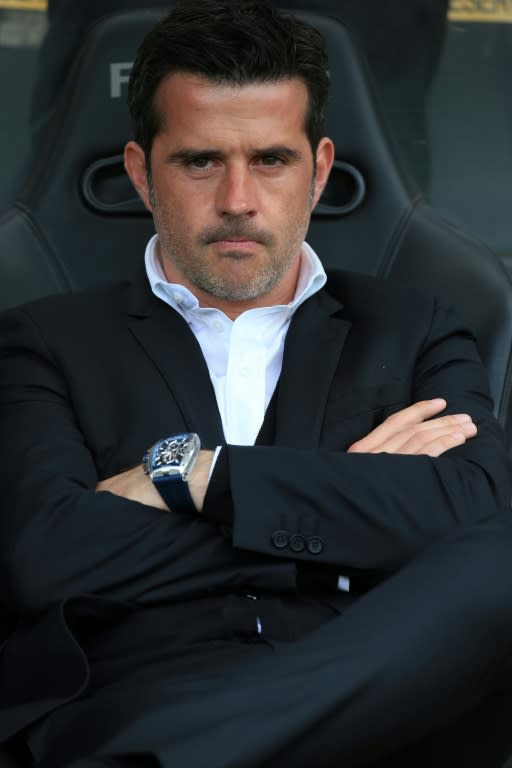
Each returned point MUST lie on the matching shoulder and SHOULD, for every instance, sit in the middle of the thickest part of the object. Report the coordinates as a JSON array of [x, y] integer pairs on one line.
[[386, 307], [72, 307], [76, 301], [362, 295], [67, 320]]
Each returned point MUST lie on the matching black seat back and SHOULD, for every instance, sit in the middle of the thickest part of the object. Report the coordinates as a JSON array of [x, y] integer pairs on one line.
[[78, 222]]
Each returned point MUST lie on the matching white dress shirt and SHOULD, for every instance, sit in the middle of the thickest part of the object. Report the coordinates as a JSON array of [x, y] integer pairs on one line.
[[244, 356]]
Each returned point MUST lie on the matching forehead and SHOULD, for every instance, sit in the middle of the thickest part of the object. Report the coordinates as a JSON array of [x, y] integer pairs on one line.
[[188, 102]]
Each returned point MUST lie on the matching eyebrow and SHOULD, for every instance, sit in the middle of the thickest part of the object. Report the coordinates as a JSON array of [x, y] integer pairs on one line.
[[184, 155]]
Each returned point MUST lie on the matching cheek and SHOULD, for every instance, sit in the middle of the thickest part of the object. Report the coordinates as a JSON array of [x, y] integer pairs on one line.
[[297, 207], [180, 219], [299, 195], [191, 204]]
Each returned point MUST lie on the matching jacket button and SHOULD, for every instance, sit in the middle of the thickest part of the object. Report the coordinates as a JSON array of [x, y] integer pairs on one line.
[[297, 542], [315, 545], [280, 539]]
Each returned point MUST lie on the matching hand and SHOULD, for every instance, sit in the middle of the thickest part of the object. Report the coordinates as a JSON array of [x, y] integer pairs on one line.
[[134, 485], [413, 432]]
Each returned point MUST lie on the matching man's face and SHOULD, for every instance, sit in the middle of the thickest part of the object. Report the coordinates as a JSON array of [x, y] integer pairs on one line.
[[232, 187]]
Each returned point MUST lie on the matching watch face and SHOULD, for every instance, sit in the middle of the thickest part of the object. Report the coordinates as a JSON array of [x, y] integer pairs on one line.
[[171, 450], [174, 456]]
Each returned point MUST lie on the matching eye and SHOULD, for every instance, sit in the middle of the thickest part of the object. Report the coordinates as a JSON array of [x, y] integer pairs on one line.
[[271, 161], [200, 163]]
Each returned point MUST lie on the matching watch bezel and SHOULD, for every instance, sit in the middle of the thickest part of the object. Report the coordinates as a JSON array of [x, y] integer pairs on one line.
[[180, 468]]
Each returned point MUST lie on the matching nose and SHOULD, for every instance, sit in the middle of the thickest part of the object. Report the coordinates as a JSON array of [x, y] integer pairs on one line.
[[236, 192]]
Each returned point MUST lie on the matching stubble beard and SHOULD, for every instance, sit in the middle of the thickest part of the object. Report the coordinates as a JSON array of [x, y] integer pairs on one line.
[[197, 268]]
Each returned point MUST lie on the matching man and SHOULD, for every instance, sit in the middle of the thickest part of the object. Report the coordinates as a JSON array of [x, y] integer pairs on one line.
[[326, 578]]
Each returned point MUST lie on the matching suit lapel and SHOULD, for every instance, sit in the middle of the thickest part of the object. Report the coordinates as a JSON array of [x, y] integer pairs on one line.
[[311, 355], [166, 339]]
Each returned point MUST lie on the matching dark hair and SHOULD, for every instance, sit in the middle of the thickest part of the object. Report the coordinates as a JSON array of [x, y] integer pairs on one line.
[[228, 41]]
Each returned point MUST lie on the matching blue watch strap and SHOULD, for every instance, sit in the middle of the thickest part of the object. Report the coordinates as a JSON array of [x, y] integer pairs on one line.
[[175, 492], [168, 463]]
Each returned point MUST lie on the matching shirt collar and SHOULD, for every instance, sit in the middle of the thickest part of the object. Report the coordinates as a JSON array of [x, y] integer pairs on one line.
[[312, 278]]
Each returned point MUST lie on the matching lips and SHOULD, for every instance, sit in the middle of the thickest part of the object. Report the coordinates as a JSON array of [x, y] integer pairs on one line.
[[237, 241]]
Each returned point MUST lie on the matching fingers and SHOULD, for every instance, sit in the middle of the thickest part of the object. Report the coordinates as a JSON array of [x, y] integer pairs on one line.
[[398, 421], [431, 441], [416, 437], [413, 431]]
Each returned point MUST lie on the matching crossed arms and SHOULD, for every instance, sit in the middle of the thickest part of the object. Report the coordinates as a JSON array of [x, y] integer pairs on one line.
[[66, 531], [413, 431]]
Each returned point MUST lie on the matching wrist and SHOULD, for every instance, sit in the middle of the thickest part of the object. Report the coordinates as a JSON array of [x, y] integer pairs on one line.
[[168, 464]]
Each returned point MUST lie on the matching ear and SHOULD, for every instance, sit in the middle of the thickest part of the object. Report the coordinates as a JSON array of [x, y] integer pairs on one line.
[[135, 166], [324, 161]]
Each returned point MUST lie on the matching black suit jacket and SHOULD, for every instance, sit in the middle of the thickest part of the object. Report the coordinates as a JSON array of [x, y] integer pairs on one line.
[[88, 381]]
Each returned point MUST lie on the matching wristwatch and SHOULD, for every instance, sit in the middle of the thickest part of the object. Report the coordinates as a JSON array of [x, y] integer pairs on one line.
[[168, 464]]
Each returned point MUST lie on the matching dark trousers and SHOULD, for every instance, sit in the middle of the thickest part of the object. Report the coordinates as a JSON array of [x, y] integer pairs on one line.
[[416, 662]]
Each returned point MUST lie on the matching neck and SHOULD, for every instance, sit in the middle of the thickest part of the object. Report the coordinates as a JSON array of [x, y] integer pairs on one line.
[[280, 294]]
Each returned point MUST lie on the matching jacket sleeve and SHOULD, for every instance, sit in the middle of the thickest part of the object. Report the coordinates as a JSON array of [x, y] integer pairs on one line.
[[374, 512], [58, 537]]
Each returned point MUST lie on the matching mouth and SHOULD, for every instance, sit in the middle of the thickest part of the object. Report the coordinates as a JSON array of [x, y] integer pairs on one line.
[[243, 239], [237, 242]]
